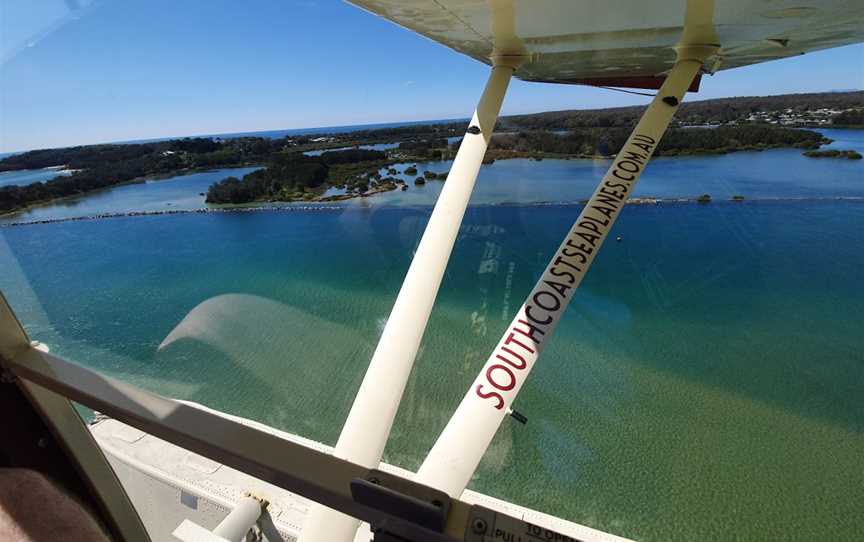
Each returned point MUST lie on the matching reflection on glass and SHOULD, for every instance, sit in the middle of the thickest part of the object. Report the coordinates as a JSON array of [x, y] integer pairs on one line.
[[705, 381]]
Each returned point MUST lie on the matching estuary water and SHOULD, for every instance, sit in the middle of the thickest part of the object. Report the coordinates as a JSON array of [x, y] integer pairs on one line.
[[707, 382], [27, 176], [771, 174], [181, 192]]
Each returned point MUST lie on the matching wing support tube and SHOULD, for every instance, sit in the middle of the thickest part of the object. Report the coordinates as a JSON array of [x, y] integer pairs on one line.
[[460, 447], [368, 425], [402, 498]]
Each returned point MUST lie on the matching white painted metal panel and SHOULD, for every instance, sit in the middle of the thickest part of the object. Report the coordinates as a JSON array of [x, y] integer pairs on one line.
[[570, 40], [166, 491]]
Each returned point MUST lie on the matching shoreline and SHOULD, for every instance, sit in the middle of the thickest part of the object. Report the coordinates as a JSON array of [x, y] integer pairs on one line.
[[137, 180], [198, 211], [492, 155], [640, 201]]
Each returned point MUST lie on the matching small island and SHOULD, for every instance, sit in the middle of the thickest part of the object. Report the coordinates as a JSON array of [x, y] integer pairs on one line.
[[849, 155], [297, 177]]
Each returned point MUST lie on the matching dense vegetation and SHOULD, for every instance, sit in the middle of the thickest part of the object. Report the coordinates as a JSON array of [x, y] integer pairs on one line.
[[414, 131], [691, 112], [854, 117], [192, 151], [734, 138], [608, 141], [425, 148], [851, 155], [289, 175], [101, 166], [284, 172]]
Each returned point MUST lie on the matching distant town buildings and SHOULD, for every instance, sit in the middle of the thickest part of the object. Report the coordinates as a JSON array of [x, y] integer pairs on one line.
[[785, 117]]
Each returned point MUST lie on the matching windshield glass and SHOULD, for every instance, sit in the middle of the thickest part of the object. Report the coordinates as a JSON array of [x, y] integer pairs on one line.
[[242, 239]]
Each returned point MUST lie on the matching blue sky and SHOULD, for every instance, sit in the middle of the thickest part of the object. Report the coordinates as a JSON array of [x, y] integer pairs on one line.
[[114, 71]]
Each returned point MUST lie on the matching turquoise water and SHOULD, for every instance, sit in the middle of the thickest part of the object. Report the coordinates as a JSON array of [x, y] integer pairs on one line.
[[777, 173], [179, 192], [706, 382]]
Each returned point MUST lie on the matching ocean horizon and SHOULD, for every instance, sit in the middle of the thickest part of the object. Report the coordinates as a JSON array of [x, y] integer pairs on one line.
[[271, 134]]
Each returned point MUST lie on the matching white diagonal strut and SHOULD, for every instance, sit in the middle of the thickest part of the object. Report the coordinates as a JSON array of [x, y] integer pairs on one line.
[[367, 427], [460, 447]]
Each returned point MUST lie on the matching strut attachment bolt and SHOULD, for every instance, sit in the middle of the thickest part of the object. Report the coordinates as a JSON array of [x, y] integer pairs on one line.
[[670, 100]]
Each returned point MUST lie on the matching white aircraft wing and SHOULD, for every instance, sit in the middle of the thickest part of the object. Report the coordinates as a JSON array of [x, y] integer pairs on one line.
[[622, 42]]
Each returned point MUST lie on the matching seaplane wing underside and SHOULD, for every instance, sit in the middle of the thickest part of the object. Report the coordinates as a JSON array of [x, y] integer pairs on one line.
[[623, 42]]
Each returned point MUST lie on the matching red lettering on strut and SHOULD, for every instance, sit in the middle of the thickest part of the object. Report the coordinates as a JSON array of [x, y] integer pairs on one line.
[[532, 329], [582, 258], [493, 394], [616, 173], [520, 366], [597, 220], [590, 226], [630, 163], [511, 377], [604, 190], [634, 156], [537, 299], [590, 238], [557, 273], [528, 309], [615, 186], [562, 261], [511, 339], [607, 199], [609, 213], [559, 287]]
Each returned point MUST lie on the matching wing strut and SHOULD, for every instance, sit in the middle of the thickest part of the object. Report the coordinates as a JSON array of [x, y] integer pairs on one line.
[[365, 432], [458, 450]]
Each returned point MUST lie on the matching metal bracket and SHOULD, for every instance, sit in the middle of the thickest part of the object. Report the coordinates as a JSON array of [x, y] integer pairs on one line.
[[413, 502], [518, 416]]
